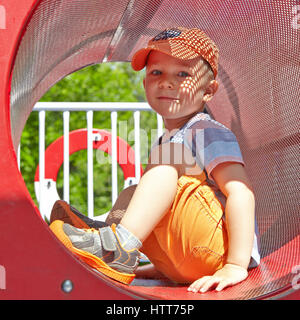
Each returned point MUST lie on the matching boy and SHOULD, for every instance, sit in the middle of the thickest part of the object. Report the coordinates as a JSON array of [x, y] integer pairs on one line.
[[192, 212]]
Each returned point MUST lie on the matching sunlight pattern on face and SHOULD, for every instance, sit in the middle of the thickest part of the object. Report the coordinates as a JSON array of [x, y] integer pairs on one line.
[[194, 86]]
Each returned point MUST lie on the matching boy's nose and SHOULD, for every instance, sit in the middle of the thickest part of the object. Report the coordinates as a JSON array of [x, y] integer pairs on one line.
[[166, 83]]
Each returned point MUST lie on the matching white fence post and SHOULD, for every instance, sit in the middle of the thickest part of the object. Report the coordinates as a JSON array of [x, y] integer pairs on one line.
[[137, 146], [42, 117], [90, 164], [66, 124], [19, 156], [114, 164], [159, 125]]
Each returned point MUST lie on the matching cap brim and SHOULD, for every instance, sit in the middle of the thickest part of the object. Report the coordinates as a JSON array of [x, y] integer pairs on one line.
[[139, 59]]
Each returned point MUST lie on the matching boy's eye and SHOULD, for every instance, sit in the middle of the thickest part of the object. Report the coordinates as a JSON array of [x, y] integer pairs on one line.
[[155, 72], [183, 74]]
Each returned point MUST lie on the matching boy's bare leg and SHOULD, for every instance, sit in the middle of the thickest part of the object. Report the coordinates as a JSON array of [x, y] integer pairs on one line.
[[140, 207], [144, 205], [116, 214], [152, 198]]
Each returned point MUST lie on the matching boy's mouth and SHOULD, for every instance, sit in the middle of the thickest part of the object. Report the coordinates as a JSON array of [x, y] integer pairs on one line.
[[168, 98]]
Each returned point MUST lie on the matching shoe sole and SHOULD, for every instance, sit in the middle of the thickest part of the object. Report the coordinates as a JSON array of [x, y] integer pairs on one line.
[[93, 261], [61, 211]]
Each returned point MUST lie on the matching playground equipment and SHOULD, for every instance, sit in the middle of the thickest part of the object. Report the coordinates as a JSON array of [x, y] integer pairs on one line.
[[41, 41]]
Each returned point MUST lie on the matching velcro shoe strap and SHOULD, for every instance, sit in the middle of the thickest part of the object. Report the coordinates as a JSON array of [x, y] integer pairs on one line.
[[108, 239]]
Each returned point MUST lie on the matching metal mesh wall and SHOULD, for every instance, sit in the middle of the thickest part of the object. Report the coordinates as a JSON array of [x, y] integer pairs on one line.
[[258, 96]]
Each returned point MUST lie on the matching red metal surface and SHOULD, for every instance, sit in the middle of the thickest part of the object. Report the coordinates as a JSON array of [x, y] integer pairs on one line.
[[33, 263], [269, 272], [54, 156]]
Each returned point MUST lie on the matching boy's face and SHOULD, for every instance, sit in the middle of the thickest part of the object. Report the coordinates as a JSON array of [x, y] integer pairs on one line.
[[177, 89]]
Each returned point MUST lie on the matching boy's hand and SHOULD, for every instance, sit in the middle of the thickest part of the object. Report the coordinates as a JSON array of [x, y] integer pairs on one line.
[[229, 275]]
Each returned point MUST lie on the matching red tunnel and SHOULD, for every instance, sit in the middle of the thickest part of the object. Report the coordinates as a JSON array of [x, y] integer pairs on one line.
[[42, 41]]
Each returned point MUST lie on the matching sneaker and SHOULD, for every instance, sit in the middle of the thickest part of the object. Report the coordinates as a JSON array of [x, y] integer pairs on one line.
[[68, 214], [101, 249]]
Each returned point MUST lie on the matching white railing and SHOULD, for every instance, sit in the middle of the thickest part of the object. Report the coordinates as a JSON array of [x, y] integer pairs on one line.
[[89, 108]]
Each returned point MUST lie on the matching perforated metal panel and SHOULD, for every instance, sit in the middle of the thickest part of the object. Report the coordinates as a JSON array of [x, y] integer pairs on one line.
[[258, 97]]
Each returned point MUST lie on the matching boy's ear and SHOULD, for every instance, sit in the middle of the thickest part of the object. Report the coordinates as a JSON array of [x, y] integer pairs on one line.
[[144, 83], [210, 90]]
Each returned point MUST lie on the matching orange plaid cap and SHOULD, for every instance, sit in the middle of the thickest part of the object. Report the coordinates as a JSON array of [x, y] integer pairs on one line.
[[180, 43]]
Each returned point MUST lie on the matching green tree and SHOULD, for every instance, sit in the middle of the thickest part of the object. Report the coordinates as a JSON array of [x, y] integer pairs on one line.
[[107, 82]]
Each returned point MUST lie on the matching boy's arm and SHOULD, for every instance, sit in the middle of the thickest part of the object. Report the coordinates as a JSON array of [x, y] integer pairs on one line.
[[239, 212], [232, 179]]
